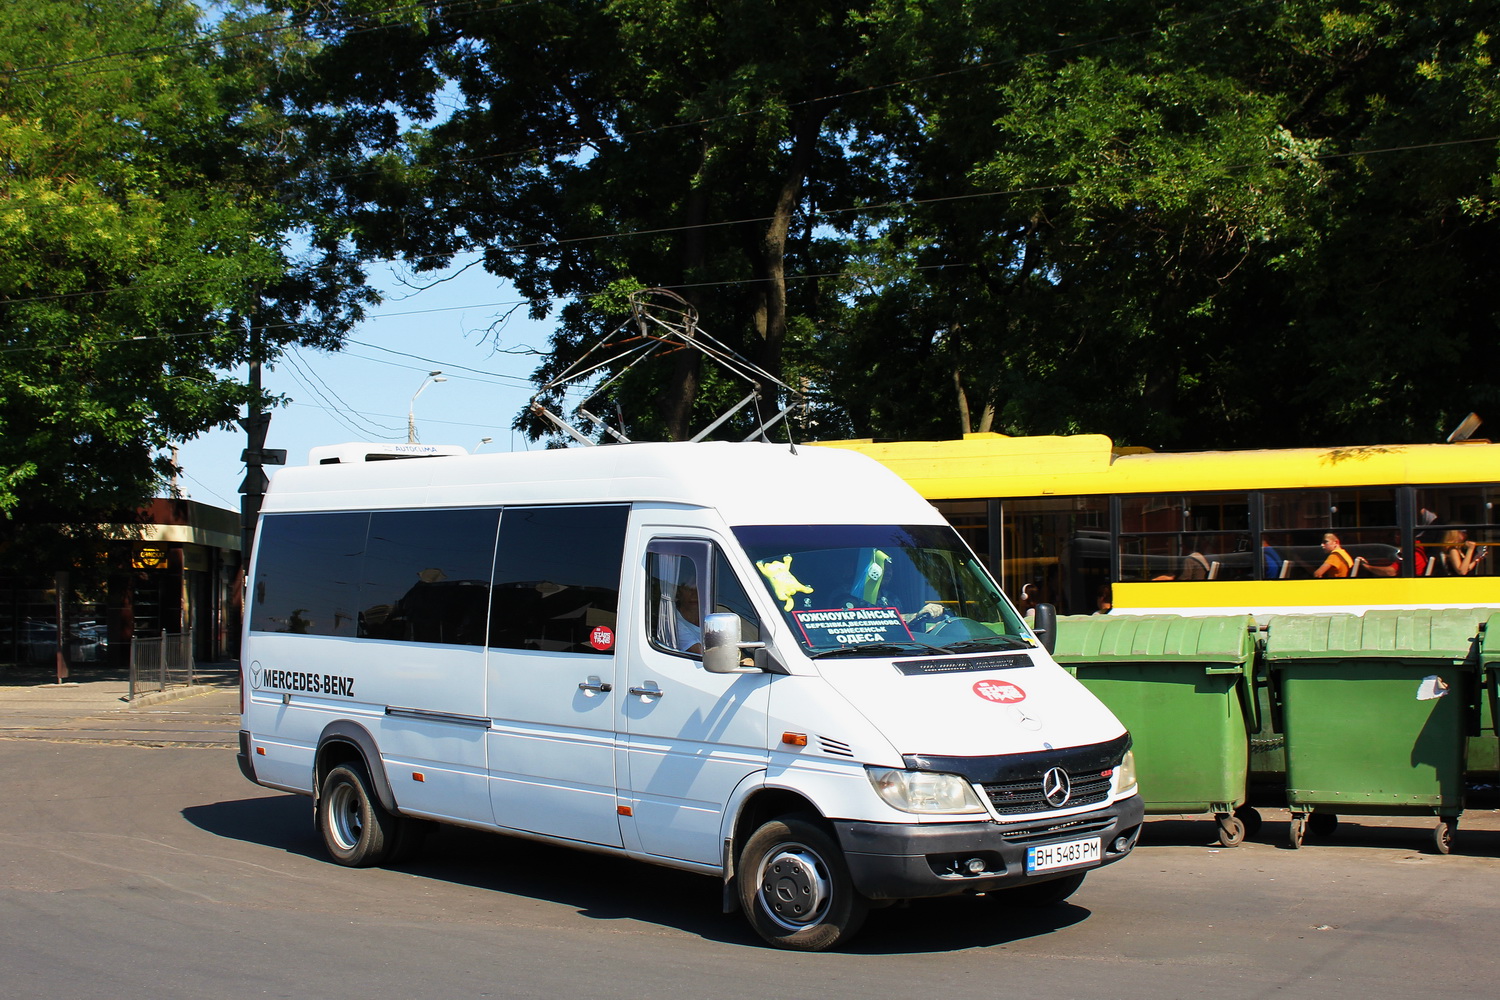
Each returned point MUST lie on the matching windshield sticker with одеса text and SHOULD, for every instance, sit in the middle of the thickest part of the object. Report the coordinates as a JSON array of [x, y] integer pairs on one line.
[[852, 626]]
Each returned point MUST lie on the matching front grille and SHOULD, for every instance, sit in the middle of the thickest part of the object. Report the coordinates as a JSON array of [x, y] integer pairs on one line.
[[1014, 781], [1034, 832], [1012, 798]]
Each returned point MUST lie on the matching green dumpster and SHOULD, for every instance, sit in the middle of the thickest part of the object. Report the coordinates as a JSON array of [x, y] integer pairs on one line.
[[1181, 686], [1376, 710], [1483, 764]]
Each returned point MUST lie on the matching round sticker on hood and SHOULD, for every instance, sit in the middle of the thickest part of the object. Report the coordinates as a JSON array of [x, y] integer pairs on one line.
[[1001, 692]]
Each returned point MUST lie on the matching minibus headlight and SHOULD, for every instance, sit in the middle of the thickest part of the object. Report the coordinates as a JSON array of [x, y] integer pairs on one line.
[[1125, 774], [925, 791]]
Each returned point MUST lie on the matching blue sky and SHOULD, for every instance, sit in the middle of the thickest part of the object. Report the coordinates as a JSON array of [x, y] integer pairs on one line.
[[363, 393]]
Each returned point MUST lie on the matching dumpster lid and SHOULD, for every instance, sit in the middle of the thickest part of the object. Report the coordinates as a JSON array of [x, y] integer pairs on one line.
[[1419, 634], [1155, 638]]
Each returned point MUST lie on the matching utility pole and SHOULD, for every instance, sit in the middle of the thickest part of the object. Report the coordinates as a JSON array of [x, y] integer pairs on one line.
[[256, 457]]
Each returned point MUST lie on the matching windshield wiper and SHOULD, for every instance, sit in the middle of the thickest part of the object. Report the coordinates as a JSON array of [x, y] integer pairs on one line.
[[877, 649], [990, 642]]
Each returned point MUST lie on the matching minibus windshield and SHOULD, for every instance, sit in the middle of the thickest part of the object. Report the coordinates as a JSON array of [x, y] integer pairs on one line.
[[882, 590]]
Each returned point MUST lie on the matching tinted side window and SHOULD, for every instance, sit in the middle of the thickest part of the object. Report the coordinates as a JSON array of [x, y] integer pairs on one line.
[[676, 600], [427, 576], [729, 595], [557, 578], [307, 576]]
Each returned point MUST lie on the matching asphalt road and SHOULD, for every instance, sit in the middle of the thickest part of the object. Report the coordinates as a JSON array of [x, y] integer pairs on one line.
[[136, 862]]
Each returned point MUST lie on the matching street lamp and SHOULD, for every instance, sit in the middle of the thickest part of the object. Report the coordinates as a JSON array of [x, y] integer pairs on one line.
[[411, 421], [481, 444]]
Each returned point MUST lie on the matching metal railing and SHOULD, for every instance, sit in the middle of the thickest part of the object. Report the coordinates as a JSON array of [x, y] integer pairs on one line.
[[156, 664]]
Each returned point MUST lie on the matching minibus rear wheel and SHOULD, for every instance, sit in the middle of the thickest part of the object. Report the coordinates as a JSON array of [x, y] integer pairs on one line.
[[795, 887], [356, 829]]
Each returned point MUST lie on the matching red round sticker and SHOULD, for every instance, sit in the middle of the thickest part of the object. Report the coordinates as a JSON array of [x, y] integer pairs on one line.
[[1003, 692], [603, 637]]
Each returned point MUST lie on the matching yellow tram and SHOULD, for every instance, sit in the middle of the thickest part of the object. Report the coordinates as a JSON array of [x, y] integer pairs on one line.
[[1079, 523]]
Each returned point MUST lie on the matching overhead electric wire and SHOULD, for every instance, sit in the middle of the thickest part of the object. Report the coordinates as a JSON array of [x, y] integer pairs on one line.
[[341, 410], [294, 356]]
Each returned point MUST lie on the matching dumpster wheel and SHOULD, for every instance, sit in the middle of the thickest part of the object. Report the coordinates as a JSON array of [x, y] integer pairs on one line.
[[1442, 834], [1231, 830], [1296, 830]]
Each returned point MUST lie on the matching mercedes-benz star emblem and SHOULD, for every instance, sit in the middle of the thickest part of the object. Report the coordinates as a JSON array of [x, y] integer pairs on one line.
[[1056, 788]]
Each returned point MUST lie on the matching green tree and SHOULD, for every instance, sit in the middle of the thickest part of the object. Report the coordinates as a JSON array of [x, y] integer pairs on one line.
[[1190, 224], [1195, 225], [590, 148], [144, 230]]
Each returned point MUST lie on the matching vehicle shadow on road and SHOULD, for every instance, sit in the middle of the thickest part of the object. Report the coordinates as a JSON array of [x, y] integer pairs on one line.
[[283, 822], [958, 923], [602, 887]]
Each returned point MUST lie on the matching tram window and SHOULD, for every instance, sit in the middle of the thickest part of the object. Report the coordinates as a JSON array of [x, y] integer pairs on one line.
[[1448, 518], [1058, 544], [1186, 536], [971, 519], [1294, 522]]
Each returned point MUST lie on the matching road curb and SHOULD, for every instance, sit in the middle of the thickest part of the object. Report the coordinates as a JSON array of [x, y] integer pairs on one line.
[[149, 698]]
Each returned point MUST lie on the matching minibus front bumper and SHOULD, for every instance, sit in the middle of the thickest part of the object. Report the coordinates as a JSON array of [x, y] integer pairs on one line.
[[917, 860]]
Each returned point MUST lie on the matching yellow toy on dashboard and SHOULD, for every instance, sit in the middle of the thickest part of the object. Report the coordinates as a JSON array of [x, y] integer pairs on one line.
[[783, 583]]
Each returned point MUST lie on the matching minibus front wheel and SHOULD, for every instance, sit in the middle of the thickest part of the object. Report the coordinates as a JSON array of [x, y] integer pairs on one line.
[[795, 886]]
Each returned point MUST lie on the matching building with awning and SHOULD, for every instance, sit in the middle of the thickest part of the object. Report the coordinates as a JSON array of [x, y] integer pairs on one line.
[[176, 569]]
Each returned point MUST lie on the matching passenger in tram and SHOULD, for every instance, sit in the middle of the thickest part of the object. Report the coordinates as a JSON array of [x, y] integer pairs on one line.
[[1336, 561], [1461, 556], [1031, 596], [1393, 568], [1105, 603], [1271, 560], [1195, 566]]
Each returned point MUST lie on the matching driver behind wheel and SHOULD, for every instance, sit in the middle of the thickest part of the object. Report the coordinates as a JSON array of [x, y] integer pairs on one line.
[[931, 615]]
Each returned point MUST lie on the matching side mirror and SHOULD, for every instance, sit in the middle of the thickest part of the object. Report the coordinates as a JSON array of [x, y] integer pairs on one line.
[[723, 644], [1044, 624]]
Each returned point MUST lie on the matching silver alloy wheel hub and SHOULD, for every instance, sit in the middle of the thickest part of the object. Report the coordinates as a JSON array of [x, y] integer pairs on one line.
[[344, 814], [793, 888]]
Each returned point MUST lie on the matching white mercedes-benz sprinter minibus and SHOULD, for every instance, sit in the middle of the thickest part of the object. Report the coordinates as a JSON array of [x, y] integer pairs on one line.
[[779, 667]]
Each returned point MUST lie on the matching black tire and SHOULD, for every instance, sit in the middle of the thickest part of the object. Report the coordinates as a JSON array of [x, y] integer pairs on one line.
[[1039, 894], [1322, 825], [795, 886], [356, 829], [1250, 816]]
